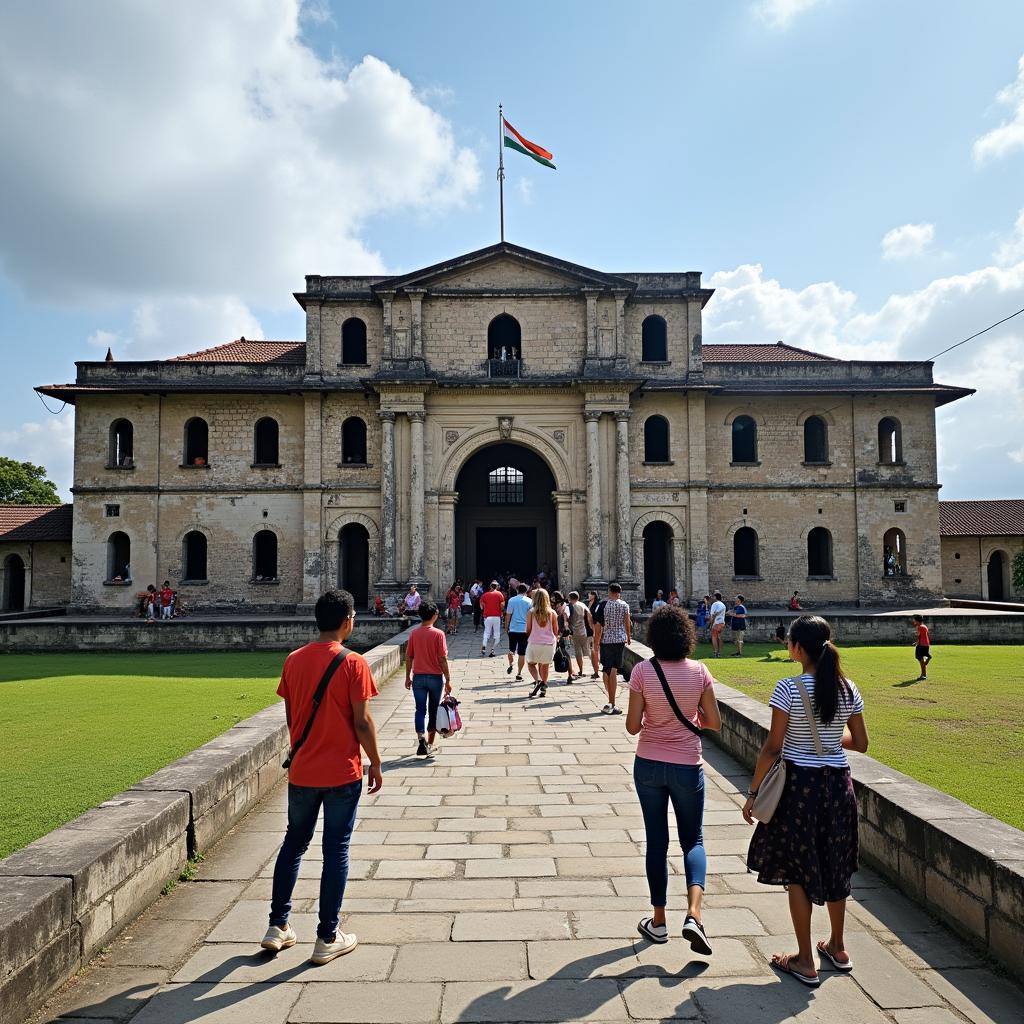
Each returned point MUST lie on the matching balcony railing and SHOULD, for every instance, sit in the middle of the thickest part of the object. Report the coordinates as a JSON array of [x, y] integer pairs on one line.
[[504, 367]]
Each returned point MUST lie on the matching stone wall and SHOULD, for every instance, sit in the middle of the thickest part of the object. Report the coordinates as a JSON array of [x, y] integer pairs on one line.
[[965, 565], [47, 571]]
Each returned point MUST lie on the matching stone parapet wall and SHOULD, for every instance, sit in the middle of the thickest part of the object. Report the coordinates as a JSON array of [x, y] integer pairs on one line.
[[67, 895], [963, 865]]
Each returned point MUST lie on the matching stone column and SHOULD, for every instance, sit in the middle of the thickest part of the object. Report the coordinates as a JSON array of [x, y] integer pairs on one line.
[[594, 539], [416, 345], [446, 502], [387, 298], [312, 502], [622, 498], [620, 324], [417, 525], [590, 295], [387, 498], [563, 539]]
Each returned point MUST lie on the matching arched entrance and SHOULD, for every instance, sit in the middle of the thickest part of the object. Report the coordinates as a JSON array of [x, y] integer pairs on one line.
[[14, 584], [354, 562], [998, 573], [505, 518], [658, 567]]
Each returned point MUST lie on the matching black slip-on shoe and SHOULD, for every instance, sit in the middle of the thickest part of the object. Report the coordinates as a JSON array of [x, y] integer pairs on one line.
[[693, 932]]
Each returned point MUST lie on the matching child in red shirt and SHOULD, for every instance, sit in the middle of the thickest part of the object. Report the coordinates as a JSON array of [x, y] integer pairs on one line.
[[426, 673], [922, 650], [166, 600]]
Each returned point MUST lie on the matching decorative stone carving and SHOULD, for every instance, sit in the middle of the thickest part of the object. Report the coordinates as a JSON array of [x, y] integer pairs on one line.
[[559, 436], [505, 426], [451, 436]]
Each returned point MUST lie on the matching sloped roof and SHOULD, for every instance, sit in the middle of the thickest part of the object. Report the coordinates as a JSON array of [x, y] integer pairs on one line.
[[981, 518], [35, 522], [763, 353], [242, 350]]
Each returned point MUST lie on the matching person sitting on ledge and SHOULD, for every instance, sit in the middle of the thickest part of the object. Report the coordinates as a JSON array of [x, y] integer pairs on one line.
[[794, 602]]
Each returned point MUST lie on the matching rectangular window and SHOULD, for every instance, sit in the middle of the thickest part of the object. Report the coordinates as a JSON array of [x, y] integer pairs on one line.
[[113, 511], [505, 486], [899, 506]]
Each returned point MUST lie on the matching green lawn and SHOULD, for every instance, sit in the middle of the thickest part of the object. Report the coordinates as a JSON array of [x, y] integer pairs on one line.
[[78, 728], [962, 731]]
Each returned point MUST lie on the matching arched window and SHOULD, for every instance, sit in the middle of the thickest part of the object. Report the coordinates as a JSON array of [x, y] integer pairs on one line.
[[14, 584], [120, 451], [265, 442], [353, 342], [264, 556], [504, 338], [353, 442], [505, 486], [354, 562], [193, 556], [119, 558], [894, 552], [656, 447], [744, 552], [890, 441], [197, 442], [819, 552], [744, 439], [654, 340], [815, 439], [659, 570]]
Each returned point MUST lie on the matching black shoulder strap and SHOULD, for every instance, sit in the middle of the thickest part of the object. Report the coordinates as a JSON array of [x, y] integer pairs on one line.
[[672, 700], [318, 697]]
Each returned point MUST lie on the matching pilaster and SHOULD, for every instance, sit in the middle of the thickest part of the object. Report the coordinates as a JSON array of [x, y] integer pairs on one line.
[[623, 502], [417, 474], [387, 500], [592, 417]]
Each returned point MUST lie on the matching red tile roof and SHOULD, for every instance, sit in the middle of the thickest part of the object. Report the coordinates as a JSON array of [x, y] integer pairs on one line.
[[35, 522], [762, 353], [245, 351], [981, 518]]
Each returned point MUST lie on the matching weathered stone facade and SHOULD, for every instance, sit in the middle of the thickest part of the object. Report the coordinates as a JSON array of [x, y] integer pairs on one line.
[[410, 359], [980, 540]]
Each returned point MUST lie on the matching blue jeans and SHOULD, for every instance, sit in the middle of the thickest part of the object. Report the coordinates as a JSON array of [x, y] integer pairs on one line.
[[339, 803], [657, 782], [427, 691]]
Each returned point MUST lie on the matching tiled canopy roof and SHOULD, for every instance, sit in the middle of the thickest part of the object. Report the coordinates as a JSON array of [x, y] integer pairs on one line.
[[35, 522], [981, 518], [777, 353], [244, 351]]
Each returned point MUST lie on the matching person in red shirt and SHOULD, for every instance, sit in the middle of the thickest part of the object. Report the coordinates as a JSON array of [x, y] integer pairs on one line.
[[491, 604], [426, 671], [325, 771], [166, 600], [923, 648]]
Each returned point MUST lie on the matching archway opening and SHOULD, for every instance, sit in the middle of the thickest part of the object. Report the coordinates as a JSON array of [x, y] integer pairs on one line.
[[354, 562], [998, 576], [505, 516], [504, 338], [658, 567], [14, 584]]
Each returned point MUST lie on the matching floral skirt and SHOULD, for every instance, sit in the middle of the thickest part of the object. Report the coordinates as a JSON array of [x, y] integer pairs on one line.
[[812, 838]]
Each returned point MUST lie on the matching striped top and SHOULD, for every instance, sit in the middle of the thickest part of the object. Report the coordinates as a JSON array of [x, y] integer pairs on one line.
[[798, 746], [662, 736]]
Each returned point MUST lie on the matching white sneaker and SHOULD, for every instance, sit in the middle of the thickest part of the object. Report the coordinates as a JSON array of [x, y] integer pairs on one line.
[[277, 939], [324, 952]]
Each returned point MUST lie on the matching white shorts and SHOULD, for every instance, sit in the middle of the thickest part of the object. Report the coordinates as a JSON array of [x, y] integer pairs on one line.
[[540, 654]]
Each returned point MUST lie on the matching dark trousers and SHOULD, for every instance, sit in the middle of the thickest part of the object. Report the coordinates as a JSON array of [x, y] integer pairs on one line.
[[304, 802], [426, 691], [477, 614]]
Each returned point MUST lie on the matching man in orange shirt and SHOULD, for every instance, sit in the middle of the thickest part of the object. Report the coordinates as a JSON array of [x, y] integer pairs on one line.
[[326, 770], [491, 604]]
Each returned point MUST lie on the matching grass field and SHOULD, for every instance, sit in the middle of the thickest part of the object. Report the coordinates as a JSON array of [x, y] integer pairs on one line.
[[962, 731], [78, 728]]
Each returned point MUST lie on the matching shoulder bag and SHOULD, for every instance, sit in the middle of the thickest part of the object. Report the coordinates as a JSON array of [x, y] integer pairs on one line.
[[318, 697], [670, 697], [769, 793]]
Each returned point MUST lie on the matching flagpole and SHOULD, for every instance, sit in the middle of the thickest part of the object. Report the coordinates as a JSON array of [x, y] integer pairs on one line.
[[501, 174]]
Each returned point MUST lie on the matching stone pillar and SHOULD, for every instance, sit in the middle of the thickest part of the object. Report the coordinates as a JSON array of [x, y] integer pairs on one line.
[[314, 354], [446, 502], [387, 298], [416, 340], [620, 324], [591, 294], [312, 501], [387, 498], [594, 538], [622, 497], [563, 539], [417, 524]]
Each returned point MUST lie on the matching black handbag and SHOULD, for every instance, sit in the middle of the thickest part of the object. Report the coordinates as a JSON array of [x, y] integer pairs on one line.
[[660, 672], [561, 659], [318, 697]]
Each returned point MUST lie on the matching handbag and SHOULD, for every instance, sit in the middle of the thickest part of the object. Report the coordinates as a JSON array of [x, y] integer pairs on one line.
[[449, 721], [769, 793], [318, 697], [561, 659]]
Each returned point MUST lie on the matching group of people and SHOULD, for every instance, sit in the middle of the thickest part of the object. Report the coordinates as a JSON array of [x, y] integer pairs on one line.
[[158, 604], [806, 843]]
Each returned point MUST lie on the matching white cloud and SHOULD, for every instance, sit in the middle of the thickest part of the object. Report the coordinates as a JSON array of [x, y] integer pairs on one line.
[[1010, 134], [49, 442], [524, 186], [907, 240], [779, 13], [1011, 249]]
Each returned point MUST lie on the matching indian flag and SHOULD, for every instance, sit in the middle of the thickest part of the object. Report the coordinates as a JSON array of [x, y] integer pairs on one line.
[[513, 140]]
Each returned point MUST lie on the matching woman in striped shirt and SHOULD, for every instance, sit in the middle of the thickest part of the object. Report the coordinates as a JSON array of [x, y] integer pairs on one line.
[[810, 844]]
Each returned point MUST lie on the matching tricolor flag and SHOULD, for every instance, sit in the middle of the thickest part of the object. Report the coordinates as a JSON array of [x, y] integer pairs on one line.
[[513, 140]]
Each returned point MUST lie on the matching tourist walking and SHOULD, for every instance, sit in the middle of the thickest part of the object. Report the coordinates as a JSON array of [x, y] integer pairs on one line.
[[475, 592], [809, 843], [541, 626], [426, 674], [491, 604], [922, 646], [516, 612], [466, 609], [324, 770], [671, 701], [452, 601], [592, 604], [716, 615], [739, 625], [613, 629], [577, 619]]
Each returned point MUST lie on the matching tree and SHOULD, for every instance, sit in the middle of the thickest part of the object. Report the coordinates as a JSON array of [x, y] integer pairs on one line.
[[1018, 571], [22, 483]]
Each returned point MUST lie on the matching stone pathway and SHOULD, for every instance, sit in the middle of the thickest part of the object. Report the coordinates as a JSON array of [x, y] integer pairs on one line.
[[502, 882]]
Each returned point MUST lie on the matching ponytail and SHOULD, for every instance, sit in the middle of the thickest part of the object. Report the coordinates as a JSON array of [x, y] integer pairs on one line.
[[814, 635]]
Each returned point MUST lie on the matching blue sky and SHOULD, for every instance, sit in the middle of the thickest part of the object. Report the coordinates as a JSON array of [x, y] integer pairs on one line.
[[847, 173]]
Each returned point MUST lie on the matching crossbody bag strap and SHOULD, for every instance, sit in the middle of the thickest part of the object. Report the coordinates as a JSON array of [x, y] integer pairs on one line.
[[318, 697], [809, 712], [660, 673]]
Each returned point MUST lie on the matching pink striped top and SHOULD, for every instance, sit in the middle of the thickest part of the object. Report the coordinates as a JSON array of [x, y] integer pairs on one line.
[[662, 736]]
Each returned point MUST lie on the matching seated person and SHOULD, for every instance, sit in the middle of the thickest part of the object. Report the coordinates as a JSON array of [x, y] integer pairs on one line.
[[794, 602]]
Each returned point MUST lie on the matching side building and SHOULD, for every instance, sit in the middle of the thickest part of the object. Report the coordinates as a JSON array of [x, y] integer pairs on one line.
[[980, 540], [35, 557]]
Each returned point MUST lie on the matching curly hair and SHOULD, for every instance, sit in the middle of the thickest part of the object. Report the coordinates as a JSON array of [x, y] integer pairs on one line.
[[670, 634]]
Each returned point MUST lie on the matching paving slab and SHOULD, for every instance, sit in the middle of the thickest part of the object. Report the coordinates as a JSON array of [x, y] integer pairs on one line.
[[198, 901], [531, 1001], [440, 961], [520, 924], [246, 963], [108, 993], [355, 1002], [221, 1004]]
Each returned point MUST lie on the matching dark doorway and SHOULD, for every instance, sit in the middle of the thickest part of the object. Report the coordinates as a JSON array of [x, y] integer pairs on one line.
[[658, 568], [505, 517], [354, 563], [996, 576], [14, 584], [504, 338]]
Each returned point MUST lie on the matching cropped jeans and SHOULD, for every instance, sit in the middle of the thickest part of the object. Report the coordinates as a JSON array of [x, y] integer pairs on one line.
[[658, 782], [426, 689], [304, 802]]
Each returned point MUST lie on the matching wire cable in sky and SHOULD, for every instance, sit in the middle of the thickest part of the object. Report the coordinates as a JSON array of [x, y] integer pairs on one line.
[[973, 336]]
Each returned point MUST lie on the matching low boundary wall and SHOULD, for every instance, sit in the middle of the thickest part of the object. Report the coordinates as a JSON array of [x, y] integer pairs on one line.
[[963, 865], [65, 896]]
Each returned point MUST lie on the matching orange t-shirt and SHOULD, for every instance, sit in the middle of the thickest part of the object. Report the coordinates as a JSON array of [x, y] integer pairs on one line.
[[922, 636], [491, 603], [330, 756]]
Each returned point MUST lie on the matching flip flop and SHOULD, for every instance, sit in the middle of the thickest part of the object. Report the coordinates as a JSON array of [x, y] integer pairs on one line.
[[786, 969], [844, 966]]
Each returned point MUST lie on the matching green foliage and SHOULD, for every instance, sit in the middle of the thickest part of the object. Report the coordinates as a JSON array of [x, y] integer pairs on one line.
[[188, 872], [168, 888], [1017, 566], [22, 483]]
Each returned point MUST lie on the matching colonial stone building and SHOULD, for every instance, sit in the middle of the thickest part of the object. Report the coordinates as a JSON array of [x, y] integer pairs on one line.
[[505, 410], [35, 557], [980, 539]]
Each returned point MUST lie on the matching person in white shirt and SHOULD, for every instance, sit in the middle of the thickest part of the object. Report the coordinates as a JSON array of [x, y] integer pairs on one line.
[[717, 616]]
